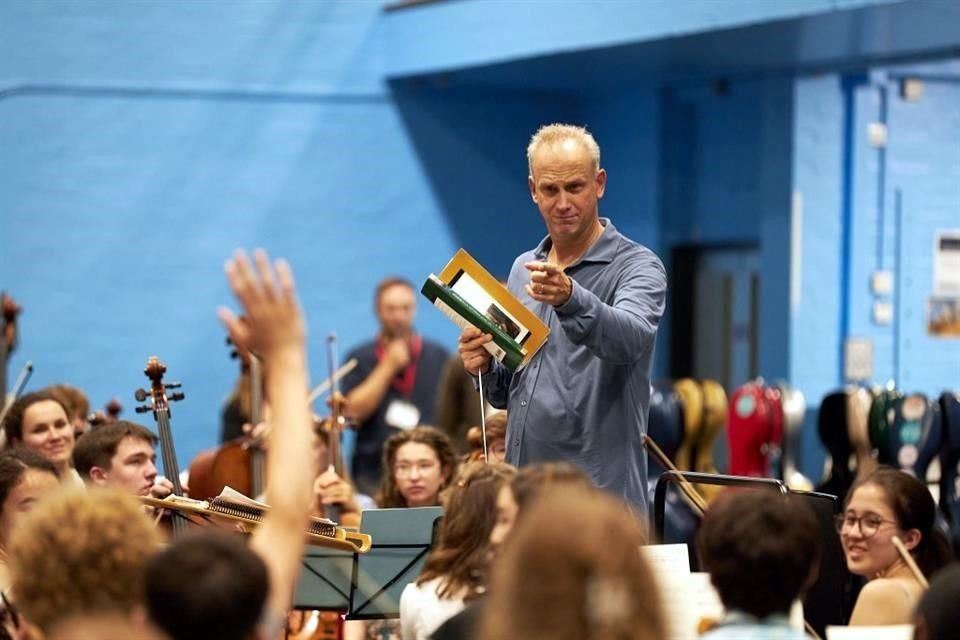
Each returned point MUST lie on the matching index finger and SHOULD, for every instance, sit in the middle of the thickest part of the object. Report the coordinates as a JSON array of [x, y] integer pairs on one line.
[[548, 267], [469, 333]]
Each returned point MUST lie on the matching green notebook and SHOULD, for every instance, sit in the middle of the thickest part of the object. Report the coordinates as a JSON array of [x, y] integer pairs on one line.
[[463, 314]]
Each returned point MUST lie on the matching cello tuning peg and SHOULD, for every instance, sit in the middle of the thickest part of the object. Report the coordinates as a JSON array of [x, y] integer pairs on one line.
[[140, 395], [143, 409], [173, 385], [176, 397]]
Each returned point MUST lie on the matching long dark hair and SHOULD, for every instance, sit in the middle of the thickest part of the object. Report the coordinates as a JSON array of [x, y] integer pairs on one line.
[[389, 495], [461, 555], [914, 508]]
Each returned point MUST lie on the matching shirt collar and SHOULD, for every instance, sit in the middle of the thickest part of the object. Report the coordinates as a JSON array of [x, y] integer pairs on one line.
[[735, 618], [603, 250]]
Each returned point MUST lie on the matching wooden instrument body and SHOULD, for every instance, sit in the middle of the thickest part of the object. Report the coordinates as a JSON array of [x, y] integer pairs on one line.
[[227, 465], [239, 463]]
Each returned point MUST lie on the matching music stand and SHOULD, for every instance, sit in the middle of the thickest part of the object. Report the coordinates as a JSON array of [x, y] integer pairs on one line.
[[367, 586]]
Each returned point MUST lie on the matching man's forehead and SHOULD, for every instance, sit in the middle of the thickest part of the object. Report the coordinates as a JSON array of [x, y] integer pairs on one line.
[[568, 155], [135, 443]]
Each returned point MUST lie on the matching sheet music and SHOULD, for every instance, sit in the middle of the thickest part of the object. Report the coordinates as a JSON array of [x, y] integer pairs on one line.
[[891, 632], [232, 496], [667, 558], [687, 597]]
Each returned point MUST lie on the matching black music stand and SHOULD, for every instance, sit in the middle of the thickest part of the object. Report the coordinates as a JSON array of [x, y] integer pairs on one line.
[[367, 586], [826, 602]]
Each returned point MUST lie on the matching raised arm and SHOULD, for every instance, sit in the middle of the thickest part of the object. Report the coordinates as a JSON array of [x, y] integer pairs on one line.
[[362, 401], [273, 327]]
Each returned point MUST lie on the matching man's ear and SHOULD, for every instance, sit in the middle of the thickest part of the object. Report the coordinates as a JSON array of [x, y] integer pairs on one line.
[[533, 188], [601, 182], [99, 476]]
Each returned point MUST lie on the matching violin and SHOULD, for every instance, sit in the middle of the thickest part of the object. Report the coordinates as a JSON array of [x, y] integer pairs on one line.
[[335, 423], [159, 405]]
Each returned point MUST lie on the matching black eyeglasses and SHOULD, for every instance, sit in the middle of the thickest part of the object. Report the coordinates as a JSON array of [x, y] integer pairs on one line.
[[868, 524]]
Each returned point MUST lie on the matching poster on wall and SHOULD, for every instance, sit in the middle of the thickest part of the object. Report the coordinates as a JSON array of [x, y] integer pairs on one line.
[[943, 317], [946, 263], [943, 307]]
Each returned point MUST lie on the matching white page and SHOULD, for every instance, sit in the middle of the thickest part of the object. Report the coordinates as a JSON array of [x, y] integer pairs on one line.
[[891, 632]]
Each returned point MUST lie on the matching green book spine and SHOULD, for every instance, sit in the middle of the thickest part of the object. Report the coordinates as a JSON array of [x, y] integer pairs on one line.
[[462, 314]]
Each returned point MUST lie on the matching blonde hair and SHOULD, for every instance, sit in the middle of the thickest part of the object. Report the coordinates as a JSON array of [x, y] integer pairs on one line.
[[552, 134], [81, 552], [589, 576]]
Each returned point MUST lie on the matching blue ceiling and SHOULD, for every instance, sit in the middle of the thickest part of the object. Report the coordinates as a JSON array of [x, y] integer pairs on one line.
[[909, 31]]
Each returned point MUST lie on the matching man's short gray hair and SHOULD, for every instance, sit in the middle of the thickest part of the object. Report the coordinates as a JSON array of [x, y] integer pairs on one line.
[[551, 134]]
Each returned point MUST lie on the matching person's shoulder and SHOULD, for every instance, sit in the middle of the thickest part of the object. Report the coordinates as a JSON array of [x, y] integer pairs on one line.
[[435, 349], [357, 350], [883, 601], [885, 589]]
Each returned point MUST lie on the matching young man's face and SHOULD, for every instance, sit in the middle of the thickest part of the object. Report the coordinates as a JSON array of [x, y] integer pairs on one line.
[[132, 469]]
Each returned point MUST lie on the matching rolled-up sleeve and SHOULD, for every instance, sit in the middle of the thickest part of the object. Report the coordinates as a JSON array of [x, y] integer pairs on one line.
[[624, 331]]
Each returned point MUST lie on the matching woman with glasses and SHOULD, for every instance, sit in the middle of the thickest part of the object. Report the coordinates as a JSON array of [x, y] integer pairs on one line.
[[417, 465], [885, 504]]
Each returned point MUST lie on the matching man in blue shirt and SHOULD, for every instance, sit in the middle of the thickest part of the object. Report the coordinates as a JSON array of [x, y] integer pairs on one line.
[[584, 397]]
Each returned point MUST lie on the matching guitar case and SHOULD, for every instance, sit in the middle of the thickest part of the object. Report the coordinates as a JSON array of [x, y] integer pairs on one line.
[[753, 430], [666, 427], [833, 432], [950, 463], [859, 401], [882, 414], [665, 424], [691, 396], [794, 413], [713, 424], [916, 435]]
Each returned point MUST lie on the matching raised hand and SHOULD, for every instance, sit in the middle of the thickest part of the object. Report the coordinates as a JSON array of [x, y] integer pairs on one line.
[[272, 321]]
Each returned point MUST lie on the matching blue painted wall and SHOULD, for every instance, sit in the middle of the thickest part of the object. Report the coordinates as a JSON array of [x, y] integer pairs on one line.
[[817, 250], [140, 143], [149, 140]]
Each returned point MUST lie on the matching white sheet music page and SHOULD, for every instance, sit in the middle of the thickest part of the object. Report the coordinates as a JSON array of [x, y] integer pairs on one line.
[[687, 597], [891, 632]]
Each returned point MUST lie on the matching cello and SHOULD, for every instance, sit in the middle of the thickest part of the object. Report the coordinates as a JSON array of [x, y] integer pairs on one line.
[[239, 463], [159, 405]]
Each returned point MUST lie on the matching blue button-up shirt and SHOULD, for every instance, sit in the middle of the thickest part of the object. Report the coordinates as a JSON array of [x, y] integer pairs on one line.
[[584, 397]]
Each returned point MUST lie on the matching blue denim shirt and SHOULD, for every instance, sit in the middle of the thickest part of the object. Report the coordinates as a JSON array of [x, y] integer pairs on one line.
[[740, 626], [584, 397]]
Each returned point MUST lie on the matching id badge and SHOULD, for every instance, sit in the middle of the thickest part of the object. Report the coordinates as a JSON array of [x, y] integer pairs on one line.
[[402, 415]]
